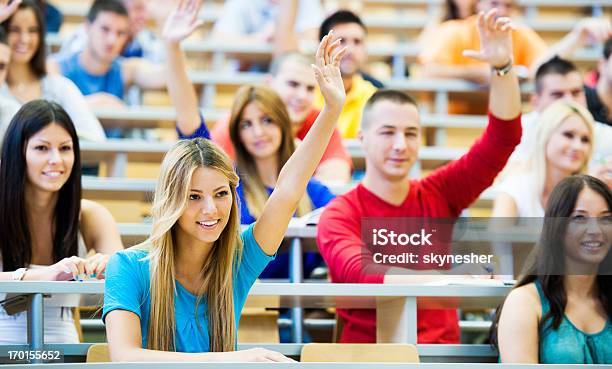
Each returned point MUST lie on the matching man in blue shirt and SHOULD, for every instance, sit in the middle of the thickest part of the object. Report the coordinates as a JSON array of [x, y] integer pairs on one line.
[[99, 71]]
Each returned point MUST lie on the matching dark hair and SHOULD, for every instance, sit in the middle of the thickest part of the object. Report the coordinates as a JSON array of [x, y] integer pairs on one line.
[[3, 39], [395, 96], [556, 65], [38, 61], [607, 50], [113, 6], [15, 242], [561, 204], [452, 11], [339, 17]]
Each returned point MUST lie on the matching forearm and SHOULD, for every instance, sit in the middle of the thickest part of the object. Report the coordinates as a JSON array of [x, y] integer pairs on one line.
[[298, 170], [285, 39], [181, 90], [505, 96], [39, 274]]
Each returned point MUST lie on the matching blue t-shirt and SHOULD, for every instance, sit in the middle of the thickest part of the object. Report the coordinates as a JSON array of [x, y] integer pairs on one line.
[[127, 287], [319, 195], [111, 82]]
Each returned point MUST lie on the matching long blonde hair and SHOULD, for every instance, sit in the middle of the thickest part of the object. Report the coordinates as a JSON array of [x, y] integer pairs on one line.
[[270, 103], [169, 203], [550, 119]]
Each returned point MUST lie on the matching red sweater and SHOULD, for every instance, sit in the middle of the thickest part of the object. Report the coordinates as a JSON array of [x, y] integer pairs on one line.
[[444, 193]]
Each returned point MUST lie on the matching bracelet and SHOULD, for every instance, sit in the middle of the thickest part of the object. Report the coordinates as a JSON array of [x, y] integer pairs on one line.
[[502, 71]]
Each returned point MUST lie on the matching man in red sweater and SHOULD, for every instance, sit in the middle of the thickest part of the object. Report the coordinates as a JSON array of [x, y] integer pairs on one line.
[[390, 136]]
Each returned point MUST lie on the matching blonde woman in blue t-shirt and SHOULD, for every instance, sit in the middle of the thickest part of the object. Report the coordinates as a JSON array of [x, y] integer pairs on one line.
[[178, 296]]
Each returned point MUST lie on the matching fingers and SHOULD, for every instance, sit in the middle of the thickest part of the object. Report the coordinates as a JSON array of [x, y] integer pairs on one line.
[[319, 58], [95, 265], [489, 19], [318, 74], [193, 6], [195, 26], [76, 265], [7, 10], [503, 24], [338, 57], [598, 30]]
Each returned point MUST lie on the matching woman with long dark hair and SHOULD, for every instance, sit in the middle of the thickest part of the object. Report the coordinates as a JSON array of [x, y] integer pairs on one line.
[[560, 311], [47, 230], [27, 77]]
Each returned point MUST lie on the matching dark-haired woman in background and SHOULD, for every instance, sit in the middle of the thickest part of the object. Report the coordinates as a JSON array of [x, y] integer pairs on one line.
[[27, 77], [560, 312], [47, 230]]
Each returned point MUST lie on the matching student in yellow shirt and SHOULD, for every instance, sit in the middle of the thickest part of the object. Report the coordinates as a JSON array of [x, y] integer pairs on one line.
[[358, 86]]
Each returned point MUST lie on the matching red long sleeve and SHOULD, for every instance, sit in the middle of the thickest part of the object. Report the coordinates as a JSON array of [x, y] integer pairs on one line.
[[445, 193]]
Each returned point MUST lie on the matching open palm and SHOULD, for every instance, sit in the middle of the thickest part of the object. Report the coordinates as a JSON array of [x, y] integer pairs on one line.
[[7, 10], [327, 71], [182, 21], [495, 40]]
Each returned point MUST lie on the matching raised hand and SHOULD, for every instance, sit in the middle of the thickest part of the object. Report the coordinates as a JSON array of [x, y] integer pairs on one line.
[[327, 71], [182, 21], [592, 31], [495, 40], [7, 10]]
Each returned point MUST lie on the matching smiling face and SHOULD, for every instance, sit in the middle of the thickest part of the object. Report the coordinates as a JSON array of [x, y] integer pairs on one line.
[[589, 232], [569, 145], [209, 206], [295, 84], [391, 139], [259, 134], [23, 35], [137, 11], [49, 157]]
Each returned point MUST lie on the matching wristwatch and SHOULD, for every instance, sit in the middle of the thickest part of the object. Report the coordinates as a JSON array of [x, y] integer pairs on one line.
[[19, 274], [502, 71]]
